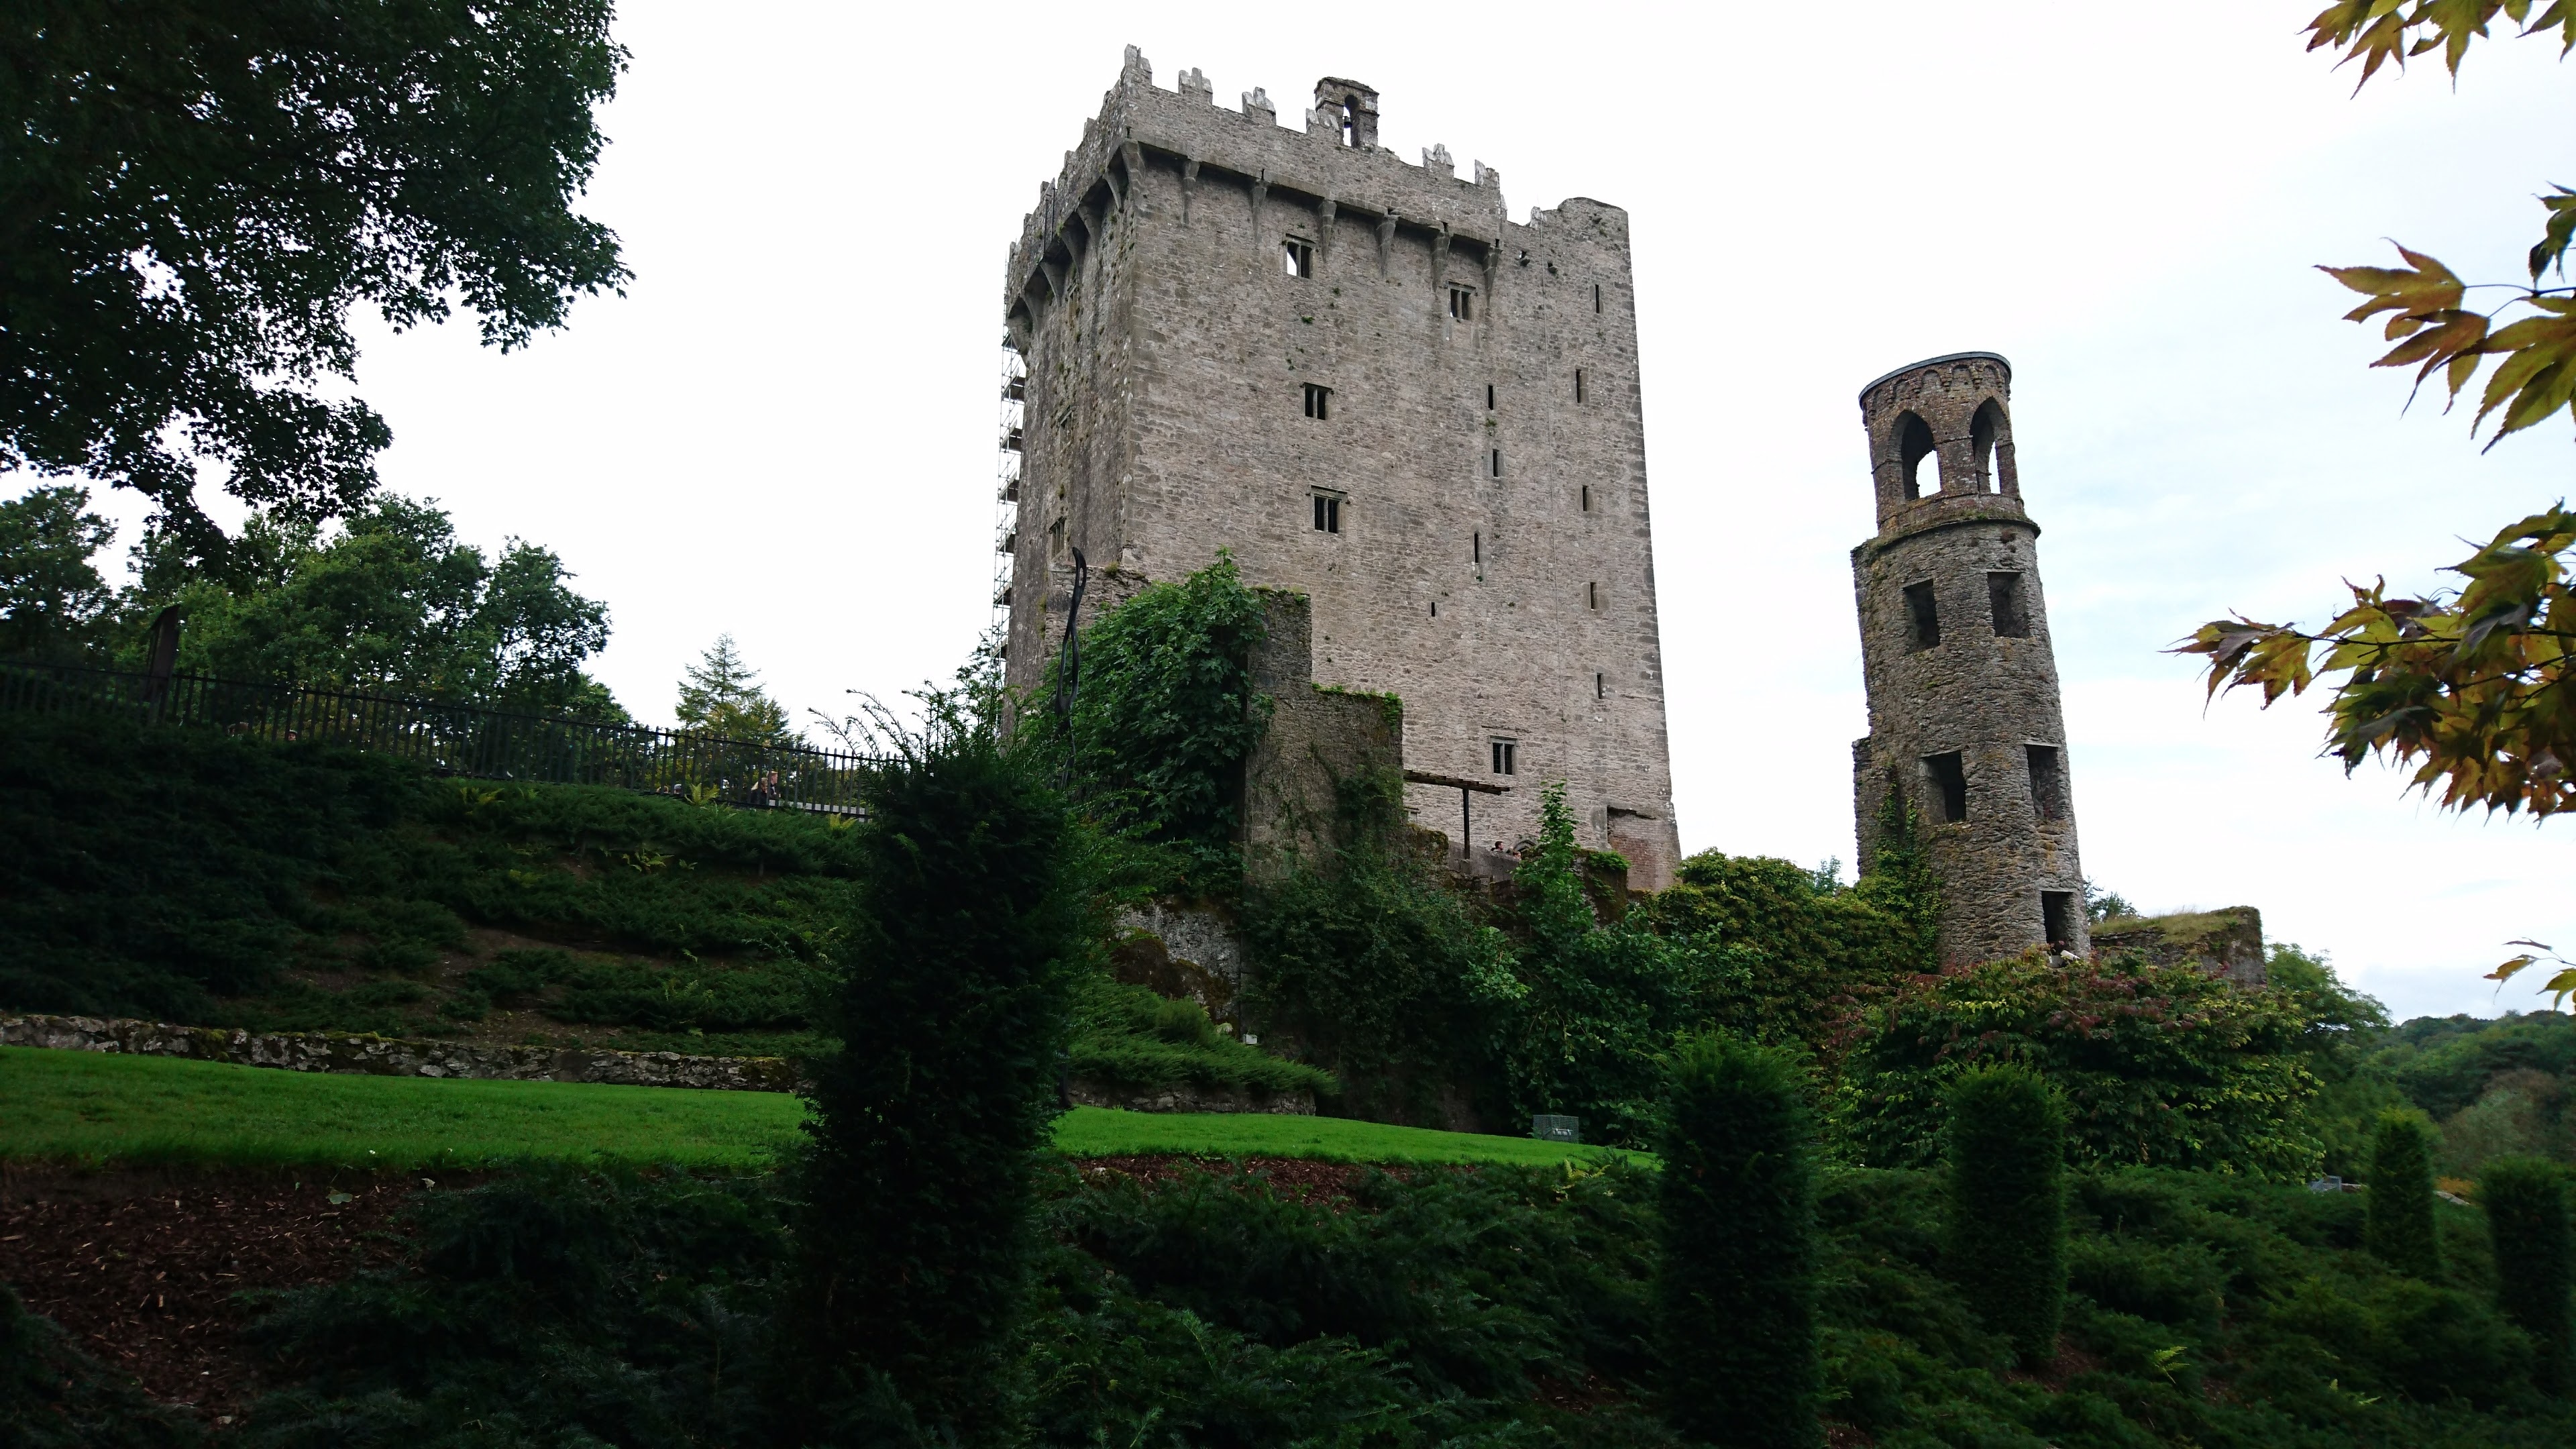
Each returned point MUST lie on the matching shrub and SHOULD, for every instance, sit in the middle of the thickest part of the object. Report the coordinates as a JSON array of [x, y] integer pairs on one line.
[[2535, 1263], [915, 1186], [1736, 1295], [1130, 1037], [2005, 1234], [2399, 1229], [2162, 1066]]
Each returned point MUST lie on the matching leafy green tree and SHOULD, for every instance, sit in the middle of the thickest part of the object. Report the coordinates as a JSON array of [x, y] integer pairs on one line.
[[721, 695], [192, 199], [393, 603], [2398, 1228], [1735, 1295], [1596, 1003], [2161, 1066], [1163, 716], [2525, 1199], [51, 597], [917, 1179], [2004, 1232]]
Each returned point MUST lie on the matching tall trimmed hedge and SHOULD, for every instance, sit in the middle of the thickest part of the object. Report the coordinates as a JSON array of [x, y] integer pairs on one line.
[[916, 1186], [2398, 1226], [1736, 1294], [2526, 1205], [2004, 1234]]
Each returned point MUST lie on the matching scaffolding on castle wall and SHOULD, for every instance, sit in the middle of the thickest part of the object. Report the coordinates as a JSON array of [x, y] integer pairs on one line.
[[1006, 491]]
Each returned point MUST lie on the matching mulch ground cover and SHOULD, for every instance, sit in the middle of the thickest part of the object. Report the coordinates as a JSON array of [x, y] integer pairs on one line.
[[141, 1266]]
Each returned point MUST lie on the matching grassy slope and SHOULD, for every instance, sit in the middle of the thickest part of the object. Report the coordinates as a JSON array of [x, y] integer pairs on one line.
[[102, 1107]]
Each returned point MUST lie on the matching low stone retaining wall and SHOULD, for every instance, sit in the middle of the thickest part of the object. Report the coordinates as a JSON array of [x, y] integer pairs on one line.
[[1083, 1092], [378, 1056]]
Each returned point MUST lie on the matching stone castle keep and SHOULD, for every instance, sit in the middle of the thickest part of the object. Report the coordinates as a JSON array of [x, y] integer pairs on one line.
[[1964, 724], [1367, 382]]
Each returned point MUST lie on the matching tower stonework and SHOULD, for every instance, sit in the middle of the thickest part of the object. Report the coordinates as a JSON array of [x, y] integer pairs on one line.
[[1964, 722], [1362, 379]]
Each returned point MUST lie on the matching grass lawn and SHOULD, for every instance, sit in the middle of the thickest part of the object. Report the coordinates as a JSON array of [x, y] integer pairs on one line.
[[104, 1107]]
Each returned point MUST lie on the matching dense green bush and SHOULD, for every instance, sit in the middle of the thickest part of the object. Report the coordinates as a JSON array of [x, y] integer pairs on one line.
[[1370, 959], [912, 1233], [2159, 1065], [2004, 1240], [1129, 1037], [1735, 1293], [1163, 718], [2525, 1199], [53, 1396], [2400, 1199]]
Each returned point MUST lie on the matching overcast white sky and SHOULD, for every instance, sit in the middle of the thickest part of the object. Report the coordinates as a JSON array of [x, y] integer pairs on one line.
[[785, 430]]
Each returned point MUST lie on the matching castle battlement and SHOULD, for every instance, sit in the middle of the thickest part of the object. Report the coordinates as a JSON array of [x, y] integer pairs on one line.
[[1246, 151]]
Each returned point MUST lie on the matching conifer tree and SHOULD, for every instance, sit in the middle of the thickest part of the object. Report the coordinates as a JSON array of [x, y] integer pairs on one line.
[[917, 1179], [2005, 1238], [2398, 1226], [1735, 1296], [2526, 1206], [721, 695]]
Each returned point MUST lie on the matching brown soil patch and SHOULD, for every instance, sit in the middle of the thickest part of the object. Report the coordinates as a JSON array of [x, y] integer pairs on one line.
[[140, 1266]]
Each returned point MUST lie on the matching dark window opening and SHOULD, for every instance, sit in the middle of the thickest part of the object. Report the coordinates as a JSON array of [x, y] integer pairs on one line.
[[1462, 304], [2003, 591], [1489, 397], [1948, 775], [1587, 498], [1319, 401], [1922, 617], [1350, 126], [1982, 431], [2047, 782], [1328, 513], [1298, 257], [1600, 686], [1913, 445], [1578, 384], [1479, 550], [1496, 461], [1435, 608], [1596, 296], [1507, 755], [2057, 917], [1018, 391], [1592, 595]]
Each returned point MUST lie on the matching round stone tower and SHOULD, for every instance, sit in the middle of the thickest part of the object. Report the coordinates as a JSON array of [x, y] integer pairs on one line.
[[1964, 724]]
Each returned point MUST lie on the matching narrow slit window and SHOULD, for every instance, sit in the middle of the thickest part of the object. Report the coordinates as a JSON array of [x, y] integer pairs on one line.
[[1948, 776], [1478, 550], [2047, 782], [1587, 498], [2003, 592], [1435, 608], [1494, 460], [1578, 384], [1328, 513], [1592, 595], [1600, 686], [1507, 757], [1462, 304], [1298, 257], [1319, 402], [2057, 917], [1922, 617], [1489, 397], [1596, 296]]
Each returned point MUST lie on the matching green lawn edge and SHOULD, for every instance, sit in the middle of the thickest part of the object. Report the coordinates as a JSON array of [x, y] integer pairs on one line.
[[110, 1109]]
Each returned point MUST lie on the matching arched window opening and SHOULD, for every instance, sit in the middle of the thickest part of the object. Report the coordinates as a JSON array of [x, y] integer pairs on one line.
[[1350, 126], [1982, 432], [1913, 445]]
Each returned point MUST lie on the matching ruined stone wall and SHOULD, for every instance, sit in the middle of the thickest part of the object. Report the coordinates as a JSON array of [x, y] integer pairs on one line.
[[1169, 352], [1982, 683]]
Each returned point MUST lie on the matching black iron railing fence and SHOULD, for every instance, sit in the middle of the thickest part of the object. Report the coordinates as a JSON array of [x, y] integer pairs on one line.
[[460, 739]]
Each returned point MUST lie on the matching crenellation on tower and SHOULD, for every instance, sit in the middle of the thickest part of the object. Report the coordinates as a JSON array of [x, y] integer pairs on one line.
[[1965, 721], [1229, 324]]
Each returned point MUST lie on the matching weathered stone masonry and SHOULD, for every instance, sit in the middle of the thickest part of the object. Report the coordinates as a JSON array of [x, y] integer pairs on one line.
[[1468, 515], [1963, 707]]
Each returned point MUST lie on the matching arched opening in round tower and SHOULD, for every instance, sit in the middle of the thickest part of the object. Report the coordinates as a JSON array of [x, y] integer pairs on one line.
[[1913, 445], [1983, 430]]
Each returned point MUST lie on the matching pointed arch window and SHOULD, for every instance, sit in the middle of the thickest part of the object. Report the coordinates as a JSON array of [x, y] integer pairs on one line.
[[1913, 445]]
